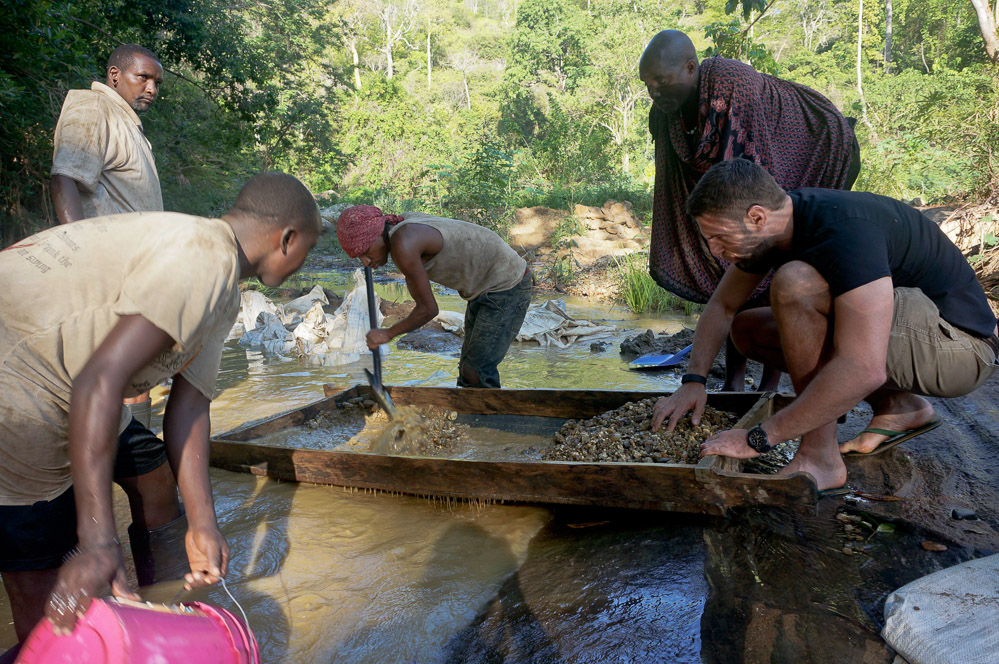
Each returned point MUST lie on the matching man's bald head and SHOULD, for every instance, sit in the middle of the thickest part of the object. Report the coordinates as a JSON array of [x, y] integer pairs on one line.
[[669, 69], [276, 200], [669, 48]]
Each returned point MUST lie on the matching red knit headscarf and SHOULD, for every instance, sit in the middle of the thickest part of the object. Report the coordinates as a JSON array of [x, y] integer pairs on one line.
[[359, 226]]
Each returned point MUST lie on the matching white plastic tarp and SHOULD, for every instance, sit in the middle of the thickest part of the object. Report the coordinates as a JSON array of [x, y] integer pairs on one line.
[[545, 322], [548, 323], [321, 338], [948, 617]]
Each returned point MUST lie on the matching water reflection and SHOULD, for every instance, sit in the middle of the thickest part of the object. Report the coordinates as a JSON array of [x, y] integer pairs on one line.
[[781, 590]]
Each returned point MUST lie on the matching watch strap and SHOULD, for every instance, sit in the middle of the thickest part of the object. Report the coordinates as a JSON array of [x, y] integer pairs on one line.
[[693, 378]]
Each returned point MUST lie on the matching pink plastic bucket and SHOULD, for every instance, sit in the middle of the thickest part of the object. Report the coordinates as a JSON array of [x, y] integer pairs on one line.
[[122, 632]]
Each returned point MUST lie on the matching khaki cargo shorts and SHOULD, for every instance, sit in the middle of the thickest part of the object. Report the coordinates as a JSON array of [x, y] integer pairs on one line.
[[929, 356]]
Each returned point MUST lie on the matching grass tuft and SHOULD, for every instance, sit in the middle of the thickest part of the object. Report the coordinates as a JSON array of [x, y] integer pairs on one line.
[[640, 291]]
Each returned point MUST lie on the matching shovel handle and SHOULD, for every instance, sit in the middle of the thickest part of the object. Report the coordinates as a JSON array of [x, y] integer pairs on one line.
[[376, 354]]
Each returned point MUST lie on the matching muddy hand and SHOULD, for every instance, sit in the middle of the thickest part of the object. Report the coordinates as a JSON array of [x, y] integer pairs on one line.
[[80, 579], [208, 554], [690, 398], [731, 443]]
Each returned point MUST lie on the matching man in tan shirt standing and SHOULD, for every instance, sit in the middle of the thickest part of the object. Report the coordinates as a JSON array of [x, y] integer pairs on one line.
[[108, 307], [103, 164]]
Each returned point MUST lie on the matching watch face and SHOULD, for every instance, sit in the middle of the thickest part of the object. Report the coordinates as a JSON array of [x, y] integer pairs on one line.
[[757, 439]]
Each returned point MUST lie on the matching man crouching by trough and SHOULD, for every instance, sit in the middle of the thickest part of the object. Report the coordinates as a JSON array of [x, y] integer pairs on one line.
[[870, 301], [471, 259], [104, 308]]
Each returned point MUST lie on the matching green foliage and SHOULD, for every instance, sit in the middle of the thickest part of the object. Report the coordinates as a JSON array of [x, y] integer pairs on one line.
[[236, 97], [641, 293], [937, 138], [748, 6], [548, 45], [562, 269], [732, 39], [483, 179], [989, 239], [530, 103]]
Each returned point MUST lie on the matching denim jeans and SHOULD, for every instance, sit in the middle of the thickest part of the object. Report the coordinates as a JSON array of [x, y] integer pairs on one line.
[[492, 321]]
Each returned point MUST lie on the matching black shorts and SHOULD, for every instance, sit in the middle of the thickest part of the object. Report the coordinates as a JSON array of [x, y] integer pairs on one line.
[[38, 536], [139, 451]]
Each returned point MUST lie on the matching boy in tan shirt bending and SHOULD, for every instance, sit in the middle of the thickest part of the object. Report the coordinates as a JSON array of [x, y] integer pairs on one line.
[[105, 308], [471, 259]]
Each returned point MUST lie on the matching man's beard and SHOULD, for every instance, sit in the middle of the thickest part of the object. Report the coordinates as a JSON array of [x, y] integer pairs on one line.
[[763, 258]]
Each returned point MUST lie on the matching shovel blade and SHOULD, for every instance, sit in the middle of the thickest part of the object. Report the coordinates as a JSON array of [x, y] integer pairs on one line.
[[381, 396], [659, 361]]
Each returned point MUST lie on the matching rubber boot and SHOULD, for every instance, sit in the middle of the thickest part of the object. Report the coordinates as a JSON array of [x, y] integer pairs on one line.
[[142, 411], [160, 553]]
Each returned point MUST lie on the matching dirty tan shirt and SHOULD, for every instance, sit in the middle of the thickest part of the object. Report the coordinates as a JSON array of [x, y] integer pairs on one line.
[[100, 144], [473, 260], [64, 289]]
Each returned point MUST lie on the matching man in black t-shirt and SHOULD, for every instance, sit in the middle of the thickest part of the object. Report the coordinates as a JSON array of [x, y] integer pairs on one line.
[[870, 301]]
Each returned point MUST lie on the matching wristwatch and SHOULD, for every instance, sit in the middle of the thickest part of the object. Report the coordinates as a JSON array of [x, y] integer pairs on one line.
[[758, 440]]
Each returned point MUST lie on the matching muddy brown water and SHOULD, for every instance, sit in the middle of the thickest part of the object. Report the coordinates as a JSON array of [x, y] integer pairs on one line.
[[327, 574]]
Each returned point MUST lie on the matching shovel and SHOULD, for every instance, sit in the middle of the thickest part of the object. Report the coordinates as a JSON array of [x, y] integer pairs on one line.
[[375, 381], [659, 361]]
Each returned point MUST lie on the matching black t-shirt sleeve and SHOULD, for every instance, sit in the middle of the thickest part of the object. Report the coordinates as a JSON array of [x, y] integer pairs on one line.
[[849, 253]]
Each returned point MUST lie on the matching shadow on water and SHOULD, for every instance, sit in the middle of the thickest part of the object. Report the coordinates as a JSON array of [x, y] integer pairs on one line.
[[782, 590], [467, 547], [596, 586]]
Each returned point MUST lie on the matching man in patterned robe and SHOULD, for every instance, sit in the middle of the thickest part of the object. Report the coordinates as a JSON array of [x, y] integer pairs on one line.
[[720, 109]]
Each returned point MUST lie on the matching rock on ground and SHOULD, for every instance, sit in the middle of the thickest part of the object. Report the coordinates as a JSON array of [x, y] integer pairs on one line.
[[431, 338]]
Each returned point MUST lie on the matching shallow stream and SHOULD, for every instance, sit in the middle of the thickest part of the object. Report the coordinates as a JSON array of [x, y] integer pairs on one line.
[[327, 574]]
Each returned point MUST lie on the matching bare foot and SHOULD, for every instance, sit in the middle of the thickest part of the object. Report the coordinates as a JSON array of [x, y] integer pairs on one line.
[[904, 415], [830, 476]]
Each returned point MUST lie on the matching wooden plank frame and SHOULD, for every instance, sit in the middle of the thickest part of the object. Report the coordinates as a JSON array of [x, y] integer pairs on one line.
[[711, 487]]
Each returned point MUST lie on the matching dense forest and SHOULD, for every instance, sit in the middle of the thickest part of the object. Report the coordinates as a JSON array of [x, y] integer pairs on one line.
[[473, 107]]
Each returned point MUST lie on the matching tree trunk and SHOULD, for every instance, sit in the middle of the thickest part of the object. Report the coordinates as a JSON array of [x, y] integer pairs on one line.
[[987, 25], [468, 99], [888, 28], [389, 63], [429, 78], [860, 87], [357, 65]]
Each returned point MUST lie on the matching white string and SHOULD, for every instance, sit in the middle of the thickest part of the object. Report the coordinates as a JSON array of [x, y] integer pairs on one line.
[[238, 606]]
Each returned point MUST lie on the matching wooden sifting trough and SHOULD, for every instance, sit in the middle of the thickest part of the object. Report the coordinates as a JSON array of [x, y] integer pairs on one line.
[[711, 487]]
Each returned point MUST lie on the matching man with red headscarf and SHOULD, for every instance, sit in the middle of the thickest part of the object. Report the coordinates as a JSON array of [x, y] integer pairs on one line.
[[468, 258]]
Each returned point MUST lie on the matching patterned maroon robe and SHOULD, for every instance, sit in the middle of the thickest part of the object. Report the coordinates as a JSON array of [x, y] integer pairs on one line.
[[791, 130]]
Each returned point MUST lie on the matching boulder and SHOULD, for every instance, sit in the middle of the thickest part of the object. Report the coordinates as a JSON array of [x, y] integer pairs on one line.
[[534, 228], [330, 214], [610, 230]]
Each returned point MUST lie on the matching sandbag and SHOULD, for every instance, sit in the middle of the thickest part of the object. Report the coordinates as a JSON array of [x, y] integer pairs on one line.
[[549, 323], [306, 302], [271, 334], [451, 321], [948, 617]]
